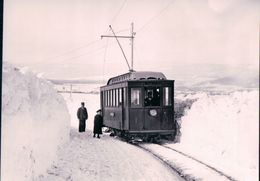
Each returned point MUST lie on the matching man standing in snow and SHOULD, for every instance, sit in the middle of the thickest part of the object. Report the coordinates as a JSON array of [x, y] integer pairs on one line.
[[98, 123], [82, 114]]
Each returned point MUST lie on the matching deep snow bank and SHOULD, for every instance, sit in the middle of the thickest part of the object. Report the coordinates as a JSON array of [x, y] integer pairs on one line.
[[35, 122], [222, 130]]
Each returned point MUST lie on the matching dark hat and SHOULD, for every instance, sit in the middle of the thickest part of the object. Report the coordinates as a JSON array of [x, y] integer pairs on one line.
[[99, 110]]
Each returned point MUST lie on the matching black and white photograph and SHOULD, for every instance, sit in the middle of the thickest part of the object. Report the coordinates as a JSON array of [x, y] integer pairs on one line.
[[130, 90]]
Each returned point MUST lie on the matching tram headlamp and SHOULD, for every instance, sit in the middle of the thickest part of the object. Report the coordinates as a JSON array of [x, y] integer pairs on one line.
[[153, 112]]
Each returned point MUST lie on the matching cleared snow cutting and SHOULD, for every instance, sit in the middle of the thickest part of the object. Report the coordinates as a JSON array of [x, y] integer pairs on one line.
[[40, 140], [35, 123]]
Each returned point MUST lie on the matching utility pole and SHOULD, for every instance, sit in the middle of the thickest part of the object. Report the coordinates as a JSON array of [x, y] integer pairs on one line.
[[132, 44]]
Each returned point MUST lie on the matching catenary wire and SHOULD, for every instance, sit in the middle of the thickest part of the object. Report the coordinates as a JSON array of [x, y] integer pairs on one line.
[[155, 16]]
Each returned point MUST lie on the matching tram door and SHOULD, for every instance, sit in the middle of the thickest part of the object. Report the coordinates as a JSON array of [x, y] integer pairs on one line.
[[122, 105], [136, 114], [167, 109]]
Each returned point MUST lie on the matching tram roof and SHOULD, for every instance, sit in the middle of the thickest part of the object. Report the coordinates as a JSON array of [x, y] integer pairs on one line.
[[137, 75]]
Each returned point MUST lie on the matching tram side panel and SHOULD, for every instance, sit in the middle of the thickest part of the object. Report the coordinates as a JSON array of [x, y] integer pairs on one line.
[[152, 122], [125, 110], [113, 117], [136, 119], [114, 114], [167, 122]]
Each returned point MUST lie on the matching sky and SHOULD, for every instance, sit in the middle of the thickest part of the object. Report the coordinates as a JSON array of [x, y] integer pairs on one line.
[[61, 39]]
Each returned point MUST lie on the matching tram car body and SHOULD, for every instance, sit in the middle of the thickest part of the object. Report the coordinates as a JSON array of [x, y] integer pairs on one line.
[[139, 104]]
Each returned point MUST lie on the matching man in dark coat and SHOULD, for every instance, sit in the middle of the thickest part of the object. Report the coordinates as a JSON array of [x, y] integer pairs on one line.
[[82, 114], [98, 123]]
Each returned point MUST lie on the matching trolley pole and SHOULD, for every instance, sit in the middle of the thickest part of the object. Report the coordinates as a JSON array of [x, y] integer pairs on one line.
[[132, 44], [132, 52]]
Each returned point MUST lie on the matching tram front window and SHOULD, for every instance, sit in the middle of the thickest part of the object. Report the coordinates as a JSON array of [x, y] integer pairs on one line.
[[135, 97], [167, 96], [152, 97]]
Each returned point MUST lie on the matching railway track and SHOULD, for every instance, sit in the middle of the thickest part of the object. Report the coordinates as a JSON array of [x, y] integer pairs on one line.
[[188, 167]]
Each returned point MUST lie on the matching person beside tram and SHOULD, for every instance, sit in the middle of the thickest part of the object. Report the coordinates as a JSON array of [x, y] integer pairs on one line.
[[98, 124], [82, 115]]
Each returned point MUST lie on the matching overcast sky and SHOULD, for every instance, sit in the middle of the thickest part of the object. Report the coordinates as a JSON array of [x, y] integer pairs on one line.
[[61, 38]]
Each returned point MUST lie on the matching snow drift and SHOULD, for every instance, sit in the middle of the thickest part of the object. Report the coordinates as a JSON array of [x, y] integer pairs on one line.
[[222, 130], [35, 122]]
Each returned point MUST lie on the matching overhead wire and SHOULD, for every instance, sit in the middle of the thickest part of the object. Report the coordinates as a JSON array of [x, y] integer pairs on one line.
[[118, 12], [74, 57], [112, 21], [90, 43], [84, 54], [73, 50], [151, 20], [155, 16], [105, 54]]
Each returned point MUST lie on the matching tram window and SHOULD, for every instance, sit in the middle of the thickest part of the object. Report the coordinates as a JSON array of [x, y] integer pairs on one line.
[[120, 96], [103, 98], [110, 98], [167, 96], [113, 98], [107, 98], [135, 96], [116, 97], [124, 98], [152, 96]]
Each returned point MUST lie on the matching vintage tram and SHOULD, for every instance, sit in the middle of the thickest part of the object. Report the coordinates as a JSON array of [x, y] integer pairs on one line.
[[139, 104]]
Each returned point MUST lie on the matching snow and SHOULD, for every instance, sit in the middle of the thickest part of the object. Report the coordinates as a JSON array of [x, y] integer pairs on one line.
[[35, 123], [109, 159], [188, 168], [219, 126], [223, 131], [220, 129], [91, 103]]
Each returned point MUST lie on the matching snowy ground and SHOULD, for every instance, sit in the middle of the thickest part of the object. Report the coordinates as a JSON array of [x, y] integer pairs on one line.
[[215, 128], [88, 158], [220, 129]]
